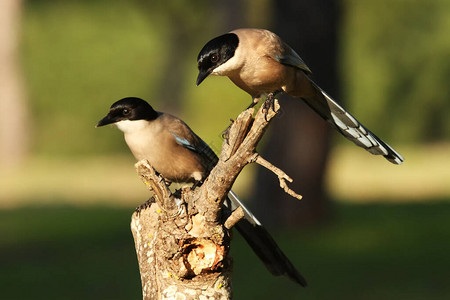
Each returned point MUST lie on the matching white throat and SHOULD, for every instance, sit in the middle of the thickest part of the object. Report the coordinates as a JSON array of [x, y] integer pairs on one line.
[[229, 66], [128, 126]]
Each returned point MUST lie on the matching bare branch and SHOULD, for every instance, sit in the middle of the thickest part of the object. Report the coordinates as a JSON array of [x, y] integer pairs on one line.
[[244, 135], [282, 176]]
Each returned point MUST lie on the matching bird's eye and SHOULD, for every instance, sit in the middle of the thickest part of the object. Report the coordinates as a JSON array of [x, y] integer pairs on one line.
[[215, 58], [125, 111]]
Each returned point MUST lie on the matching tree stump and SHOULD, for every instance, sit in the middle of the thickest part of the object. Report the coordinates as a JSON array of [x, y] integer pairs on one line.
[[181, 239]]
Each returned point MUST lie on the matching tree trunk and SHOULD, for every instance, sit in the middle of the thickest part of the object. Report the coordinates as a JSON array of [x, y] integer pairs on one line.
[[13, 109], [171, 262], [299, 139], [182, 240]]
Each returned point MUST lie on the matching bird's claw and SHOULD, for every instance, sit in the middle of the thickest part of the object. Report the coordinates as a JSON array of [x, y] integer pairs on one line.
[[252, 104], [270, 102]]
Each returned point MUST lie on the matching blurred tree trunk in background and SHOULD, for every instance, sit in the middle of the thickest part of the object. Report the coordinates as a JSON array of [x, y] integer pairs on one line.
[[184, 20], [232, 14], [171, 87], [13, 108], [299, 139]]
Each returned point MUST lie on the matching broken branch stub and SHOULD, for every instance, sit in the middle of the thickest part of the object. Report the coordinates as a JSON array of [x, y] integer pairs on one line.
[[157, 185]]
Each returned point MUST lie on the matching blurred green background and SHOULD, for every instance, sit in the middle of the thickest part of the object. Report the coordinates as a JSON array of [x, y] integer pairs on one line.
[[66, 201]]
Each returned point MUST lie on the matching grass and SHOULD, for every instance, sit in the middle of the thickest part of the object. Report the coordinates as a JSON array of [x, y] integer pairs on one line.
[[370, 251], [112, 180], [355, 176], [66, 253]]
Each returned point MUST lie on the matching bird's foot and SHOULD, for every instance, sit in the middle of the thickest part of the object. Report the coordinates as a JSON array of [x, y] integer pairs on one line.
[[162, 178], [254, 102], [177, 193], [196, 184], [251, 105], [270, 102]]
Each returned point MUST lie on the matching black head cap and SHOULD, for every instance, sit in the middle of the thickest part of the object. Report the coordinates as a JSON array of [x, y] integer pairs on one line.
[[216, 52], [130, 108]]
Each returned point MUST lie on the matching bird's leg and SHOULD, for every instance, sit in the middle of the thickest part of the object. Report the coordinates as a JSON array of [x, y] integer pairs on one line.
[[177, 193], [162, 178], [254, 101], [166, 181], [196, 184]]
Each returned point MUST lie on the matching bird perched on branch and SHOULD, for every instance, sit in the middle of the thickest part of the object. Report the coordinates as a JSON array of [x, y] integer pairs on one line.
[[259, 63], [179, 155]]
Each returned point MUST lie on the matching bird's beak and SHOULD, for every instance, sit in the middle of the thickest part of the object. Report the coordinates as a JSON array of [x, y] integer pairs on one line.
[[201, 76], [105, 121]]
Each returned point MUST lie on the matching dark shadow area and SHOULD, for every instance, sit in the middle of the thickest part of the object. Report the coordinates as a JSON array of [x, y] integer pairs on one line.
[[68, 253], [371, 251]]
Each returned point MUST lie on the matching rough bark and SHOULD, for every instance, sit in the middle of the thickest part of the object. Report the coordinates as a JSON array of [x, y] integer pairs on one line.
[[182, 240]]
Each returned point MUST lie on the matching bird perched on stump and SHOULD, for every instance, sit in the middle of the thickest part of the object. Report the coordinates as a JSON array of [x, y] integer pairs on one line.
[[179, 155], [259, 62]]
